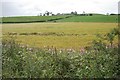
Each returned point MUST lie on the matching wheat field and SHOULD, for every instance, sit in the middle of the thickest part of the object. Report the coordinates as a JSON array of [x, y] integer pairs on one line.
[[60, 35]]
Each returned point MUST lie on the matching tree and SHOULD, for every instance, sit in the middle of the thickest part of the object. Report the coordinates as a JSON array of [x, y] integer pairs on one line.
[[58, 13], [90, 14], [72, 12], [47, 13], [43, 14]]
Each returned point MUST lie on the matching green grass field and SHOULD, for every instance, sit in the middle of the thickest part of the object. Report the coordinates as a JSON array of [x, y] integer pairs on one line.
[[61, 18], [30, 19], [75, 34], [94, 18]]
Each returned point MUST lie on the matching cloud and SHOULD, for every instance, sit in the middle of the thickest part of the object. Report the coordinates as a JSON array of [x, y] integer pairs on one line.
[[33, 7], [18, 9], [10, 8]]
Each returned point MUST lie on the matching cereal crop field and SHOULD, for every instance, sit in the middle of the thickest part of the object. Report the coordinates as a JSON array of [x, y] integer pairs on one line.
[[60, 35]]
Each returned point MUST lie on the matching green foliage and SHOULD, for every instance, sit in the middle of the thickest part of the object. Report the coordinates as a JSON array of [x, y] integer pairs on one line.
[[24, 62]]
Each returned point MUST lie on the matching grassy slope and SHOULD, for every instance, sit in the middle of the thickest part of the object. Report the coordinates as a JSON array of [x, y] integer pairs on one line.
[[23, 19], [95, 18]]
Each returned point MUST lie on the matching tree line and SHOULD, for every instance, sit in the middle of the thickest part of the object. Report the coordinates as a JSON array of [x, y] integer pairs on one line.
[[48, 13]]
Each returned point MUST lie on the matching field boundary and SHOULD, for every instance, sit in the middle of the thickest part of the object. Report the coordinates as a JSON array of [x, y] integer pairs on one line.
[[49, 20]]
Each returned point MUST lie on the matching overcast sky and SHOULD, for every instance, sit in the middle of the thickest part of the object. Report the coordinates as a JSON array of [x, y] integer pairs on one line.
[[34, 7]]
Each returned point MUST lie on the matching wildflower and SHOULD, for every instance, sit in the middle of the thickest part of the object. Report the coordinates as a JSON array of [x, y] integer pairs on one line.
[[27, 48], [82, 50], [30, 49], [73, 51], [106, 47], [19, 52], [45, 46], [60, 51], [86, 67]]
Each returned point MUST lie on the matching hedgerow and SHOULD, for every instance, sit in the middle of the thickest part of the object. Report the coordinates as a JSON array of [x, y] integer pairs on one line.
[[24, 62]]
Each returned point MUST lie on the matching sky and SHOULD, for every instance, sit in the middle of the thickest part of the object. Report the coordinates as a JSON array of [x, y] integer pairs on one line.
[[34, 7]]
